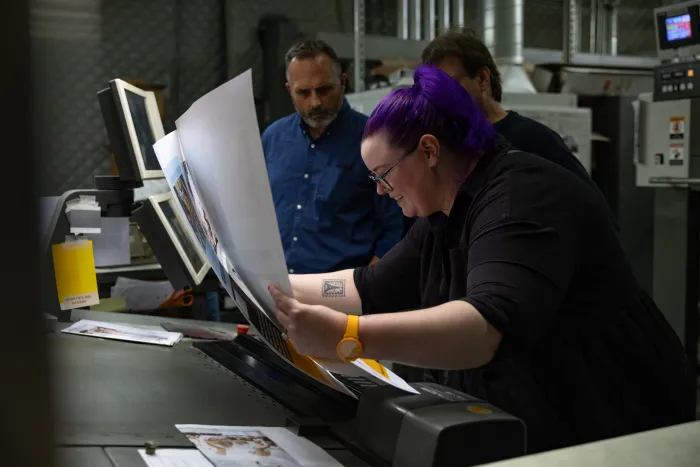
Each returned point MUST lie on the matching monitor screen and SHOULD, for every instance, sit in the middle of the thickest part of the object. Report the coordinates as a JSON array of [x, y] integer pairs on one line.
[[188, 246], [142, 126], [678, 27]]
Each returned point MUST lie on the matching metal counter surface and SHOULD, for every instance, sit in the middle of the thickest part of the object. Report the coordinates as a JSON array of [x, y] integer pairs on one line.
[[113, 396], [121, 393], [129, 457]]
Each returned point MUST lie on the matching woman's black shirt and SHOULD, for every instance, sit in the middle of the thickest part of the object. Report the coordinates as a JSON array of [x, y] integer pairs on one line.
[[585, 354]]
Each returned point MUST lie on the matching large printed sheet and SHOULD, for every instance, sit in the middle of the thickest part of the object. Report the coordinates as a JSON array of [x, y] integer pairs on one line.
[[215, 166], [221, 143]]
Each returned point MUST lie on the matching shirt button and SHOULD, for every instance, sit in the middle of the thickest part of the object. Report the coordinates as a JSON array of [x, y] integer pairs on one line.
[[313, 146], [298, 206], [294, 239], [306, 175], [291, 271]]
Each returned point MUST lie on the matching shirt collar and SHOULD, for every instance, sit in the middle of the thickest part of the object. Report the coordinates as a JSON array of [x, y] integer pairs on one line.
[[471, 186], [341, 114]]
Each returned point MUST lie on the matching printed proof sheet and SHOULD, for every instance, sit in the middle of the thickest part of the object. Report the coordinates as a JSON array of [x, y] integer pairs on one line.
[[215, 166]]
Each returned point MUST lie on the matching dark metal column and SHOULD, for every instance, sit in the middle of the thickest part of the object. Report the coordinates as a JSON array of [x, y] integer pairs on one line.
[[677, 261], [25, 408]]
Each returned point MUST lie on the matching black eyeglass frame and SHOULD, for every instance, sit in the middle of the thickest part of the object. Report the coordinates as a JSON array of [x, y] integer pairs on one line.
[[381, 179]]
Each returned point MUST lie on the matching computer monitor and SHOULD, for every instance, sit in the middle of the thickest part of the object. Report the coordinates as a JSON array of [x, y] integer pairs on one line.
[[678, 30], [172, 240], [133, 124]]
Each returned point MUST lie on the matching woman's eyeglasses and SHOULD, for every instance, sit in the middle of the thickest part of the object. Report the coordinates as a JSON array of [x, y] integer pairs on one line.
[[381, 179]]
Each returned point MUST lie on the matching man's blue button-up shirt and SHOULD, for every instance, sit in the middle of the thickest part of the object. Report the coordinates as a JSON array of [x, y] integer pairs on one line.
[[329, 213]]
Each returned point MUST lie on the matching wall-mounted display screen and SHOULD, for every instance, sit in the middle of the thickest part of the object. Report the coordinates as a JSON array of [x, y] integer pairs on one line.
[[678, 27]]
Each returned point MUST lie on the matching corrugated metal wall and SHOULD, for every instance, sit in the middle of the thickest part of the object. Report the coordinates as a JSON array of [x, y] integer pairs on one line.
[[79, 45]]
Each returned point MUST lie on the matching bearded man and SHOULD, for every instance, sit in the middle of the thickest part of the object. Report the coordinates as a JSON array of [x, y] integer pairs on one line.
[[329, 213]]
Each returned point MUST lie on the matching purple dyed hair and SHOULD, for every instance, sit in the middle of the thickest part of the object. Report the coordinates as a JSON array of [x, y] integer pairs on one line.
[[436, 104]]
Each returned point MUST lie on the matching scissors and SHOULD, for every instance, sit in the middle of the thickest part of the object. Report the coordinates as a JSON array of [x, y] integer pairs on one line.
[[179, 298]]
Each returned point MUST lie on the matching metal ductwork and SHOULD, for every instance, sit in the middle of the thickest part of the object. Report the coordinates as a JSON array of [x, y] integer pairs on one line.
[[424, 19], [503, 25], [502, 29], [603, 26]]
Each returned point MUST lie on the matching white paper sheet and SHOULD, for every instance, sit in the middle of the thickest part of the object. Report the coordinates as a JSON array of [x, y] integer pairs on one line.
[[363, 373], [215, 158], [141, 295], [175, 458], [228, 446], [121, 332], [221, 143], [386, 375], [151, 187], [169, 154]]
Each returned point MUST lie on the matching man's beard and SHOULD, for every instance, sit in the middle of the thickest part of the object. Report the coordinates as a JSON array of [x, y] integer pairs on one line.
[[319, 118]]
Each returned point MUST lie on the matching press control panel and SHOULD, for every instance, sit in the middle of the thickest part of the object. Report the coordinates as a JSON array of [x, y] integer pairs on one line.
[[677, 81]]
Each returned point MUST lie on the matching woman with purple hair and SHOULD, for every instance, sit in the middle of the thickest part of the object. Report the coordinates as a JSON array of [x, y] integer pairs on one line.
[[511, 286]]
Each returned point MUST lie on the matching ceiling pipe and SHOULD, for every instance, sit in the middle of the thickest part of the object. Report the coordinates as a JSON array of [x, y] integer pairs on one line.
[[429, 19], [444, 15], [571, 30], [458, 13], [503, 35], [414, 19], [402, 19]]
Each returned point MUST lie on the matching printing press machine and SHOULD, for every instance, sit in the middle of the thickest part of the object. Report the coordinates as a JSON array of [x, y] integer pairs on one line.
[[114, 396]]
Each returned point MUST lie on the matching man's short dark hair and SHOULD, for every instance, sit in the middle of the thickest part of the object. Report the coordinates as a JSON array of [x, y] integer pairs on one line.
[[310, 48], [465, 45]]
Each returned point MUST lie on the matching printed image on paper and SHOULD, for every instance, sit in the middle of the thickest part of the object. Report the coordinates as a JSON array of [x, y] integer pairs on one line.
[[221, 145], [121, 332], [175, 169], [241, 448], [260, 446]]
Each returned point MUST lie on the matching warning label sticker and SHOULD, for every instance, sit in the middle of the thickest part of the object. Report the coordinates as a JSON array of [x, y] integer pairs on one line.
[[676, 154], [676, 127]]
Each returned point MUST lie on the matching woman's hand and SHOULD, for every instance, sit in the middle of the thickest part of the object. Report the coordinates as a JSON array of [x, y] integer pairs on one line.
[[314, 330]]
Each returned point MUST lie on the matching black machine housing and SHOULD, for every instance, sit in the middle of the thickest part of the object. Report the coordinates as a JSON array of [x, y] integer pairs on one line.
[[388, 426]]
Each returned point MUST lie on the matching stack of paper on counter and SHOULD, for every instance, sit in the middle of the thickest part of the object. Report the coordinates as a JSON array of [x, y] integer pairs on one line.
[[262, 446], [215, 166], [121, 332]]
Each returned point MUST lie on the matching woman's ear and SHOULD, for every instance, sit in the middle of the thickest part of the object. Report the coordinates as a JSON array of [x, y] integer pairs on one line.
[[430, 148]]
